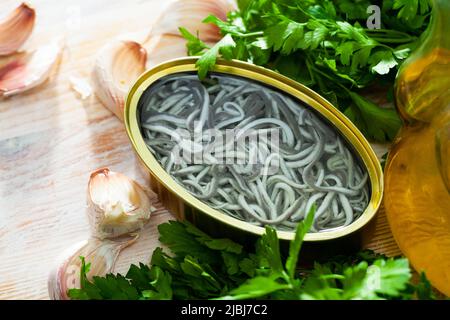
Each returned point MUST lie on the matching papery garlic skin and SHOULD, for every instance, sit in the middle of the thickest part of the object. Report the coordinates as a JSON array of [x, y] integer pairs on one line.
[[80, 86], [28, 70], [117, 65], [16, 28], [117, 205]]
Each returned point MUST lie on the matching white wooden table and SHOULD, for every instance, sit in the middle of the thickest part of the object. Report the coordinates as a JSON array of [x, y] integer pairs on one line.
[[50, 141]]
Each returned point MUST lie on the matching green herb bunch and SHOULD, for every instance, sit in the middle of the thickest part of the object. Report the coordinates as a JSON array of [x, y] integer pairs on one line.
[[326, 46], [201, 267]]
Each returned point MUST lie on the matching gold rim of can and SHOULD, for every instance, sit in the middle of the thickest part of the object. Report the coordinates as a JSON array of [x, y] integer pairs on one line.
[[268, 77]]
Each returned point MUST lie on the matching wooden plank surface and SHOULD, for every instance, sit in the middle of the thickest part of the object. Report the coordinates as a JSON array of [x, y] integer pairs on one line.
[[50, 141]]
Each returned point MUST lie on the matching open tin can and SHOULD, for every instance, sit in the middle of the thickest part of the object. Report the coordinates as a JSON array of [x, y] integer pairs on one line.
[[184, 205]]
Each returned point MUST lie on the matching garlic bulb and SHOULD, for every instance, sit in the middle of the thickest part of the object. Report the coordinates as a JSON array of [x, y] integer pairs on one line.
[[190, 14], [118, 64], [28, 70], [117, 205], [16, 28]]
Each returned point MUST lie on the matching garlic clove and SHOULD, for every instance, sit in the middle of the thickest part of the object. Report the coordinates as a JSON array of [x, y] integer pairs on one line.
[[102, 256], [16, 28], [190, 14], [117, 205], [164, 47], [118, 208], [118, 64], [28, 70]]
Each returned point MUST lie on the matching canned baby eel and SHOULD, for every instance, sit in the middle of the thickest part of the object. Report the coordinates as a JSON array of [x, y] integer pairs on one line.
[[204, 211]]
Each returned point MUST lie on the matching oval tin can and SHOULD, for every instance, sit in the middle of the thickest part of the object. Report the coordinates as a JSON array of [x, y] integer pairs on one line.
[[184, 205]]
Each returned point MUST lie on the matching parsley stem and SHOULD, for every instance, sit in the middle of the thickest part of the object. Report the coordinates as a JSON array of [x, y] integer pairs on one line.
[[392, 40], [332, 277], [251, 34], [317, 70], [390, 36], [389, 31], [310, 71]]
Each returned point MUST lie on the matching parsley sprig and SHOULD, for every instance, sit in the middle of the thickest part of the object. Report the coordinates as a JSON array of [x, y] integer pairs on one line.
[[323, 45], [201, 267]]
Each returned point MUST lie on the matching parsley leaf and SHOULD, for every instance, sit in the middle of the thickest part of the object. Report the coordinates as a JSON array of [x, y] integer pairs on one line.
[[208, 59], [409, 8], [382, 62], [237, 274], [292, 36], [321, 284], [390, 276], [424, 290], [255, 288], [296, 244], [270, 249], [181, 242], [225, 27], [194, 45], [382, 124]]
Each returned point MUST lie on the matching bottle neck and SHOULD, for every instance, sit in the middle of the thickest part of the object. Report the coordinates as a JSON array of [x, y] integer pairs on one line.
[[438, 32]]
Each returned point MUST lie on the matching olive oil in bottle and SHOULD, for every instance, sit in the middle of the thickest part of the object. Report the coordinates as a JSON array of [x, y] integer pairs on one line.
[[417, 174]]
